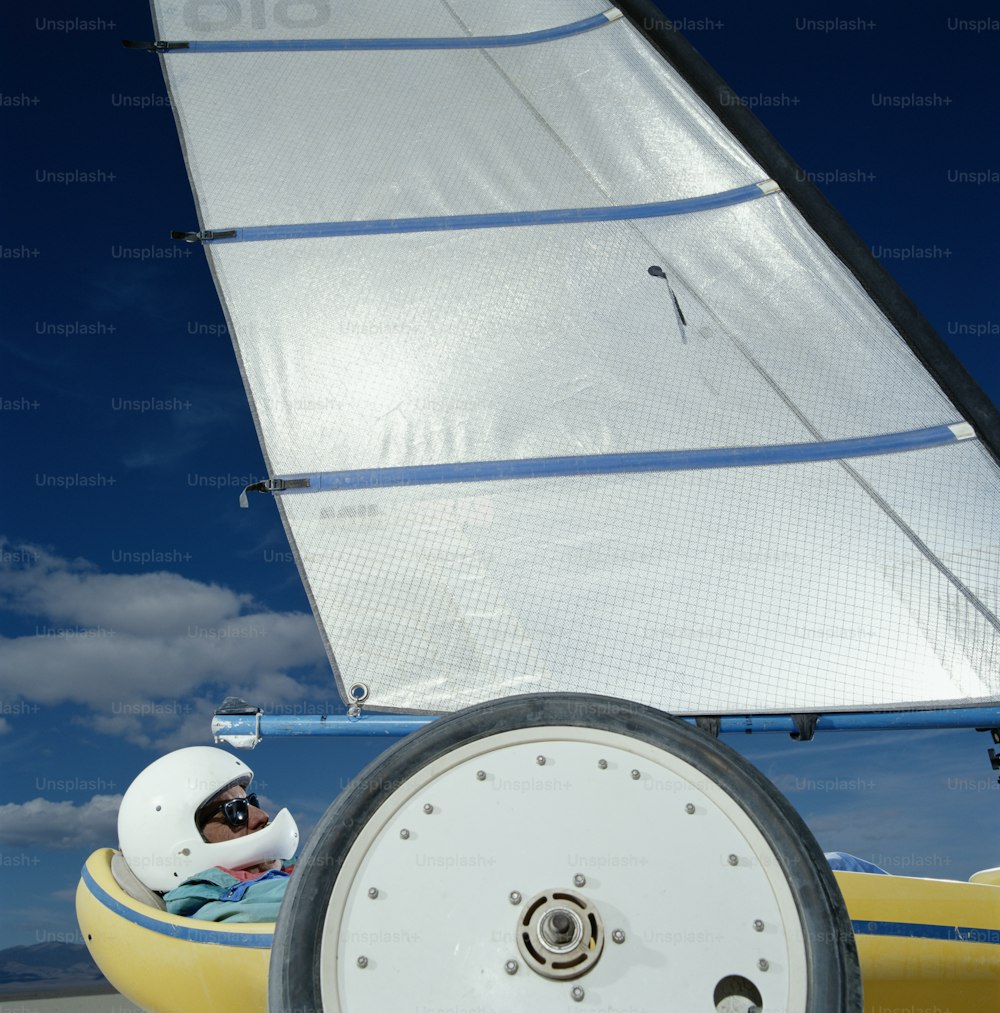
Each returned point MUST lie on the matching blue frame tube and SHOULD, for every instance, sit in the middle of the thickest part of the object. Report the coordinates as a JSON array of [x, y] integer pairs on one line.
[[394, 725]]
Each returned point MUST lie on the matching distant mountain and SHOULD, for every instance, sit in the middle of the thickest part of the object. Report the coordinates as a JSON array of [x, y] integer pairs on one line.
[[48, 966]]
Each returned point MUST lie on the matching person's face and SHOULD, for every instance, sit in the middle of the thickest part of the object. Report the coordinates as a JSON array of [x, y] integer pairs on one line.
[[217, 829]]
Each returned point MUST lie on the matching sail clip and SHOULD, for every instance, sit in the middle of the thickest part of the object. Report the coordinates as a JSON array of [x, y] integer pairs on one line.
[[711, 725], [994, 755], [201, 237], [154, 47], [805, 726], [272, 485]]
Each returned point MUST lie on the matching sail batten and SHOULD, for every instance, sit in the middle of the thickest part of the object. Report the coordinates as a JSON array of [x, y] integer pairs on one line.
[[555, 216], [533, 465], [610, 464], [349, 45]]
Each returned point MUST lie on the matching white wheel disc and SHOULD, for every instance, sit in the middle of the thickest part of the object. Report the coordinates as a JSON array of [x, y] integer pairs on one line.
[[550, 865]]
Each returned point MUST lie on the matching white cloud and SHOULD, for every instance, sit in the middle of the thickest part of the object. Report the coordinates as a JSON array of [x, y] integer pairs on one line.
[[150, 655], [75, 593], [41, 823], [118, 671]]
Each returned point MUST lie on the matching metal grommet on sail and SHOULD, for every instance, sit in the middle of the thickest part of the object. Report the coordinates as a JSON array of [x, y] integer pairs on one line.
[[358, 694]]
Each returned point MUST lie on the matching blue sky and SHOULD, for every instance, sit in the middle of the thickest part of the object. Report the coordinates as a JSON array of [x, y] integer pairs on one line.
[[135, 595]]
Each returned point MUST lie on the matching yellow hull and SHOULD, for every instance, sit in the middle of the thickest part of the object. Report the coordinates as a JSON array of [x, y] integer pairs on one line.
[[925, 945], [165, 963]]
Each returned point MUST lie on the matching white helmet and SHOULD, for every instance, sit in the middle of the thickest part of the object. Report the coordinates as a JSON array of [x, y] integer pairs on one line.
[[156, 821]]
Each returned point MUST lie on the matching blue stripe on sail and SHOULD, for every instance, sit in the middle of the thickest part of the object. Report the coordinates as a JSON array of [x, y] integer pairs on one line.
[[346, 45], [220, 936], [607, 464], [495, 220], [919, 930]]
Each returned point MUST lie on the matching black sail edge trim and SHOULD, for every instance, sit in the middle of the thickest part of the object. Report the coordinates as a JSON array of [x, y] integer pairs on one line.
[[918, 333]]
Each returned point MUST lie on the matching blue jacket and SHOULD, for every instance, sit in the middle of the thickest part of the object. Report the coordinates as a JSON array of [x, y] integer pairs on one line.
[[215, 896]]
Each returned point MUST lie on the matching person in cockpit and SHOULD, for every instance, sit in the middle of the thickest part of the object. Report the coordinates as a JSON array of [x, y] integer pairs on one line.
[[188, 830]]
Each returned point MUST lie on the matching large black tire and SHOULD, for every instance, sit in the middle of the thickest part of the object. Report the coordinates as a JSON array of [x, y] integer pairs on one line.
[[830, 956]]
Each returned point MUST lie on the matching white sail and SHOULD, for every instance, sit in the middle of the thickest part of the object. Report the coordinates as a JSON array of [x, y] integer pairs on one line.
[[727, 486]]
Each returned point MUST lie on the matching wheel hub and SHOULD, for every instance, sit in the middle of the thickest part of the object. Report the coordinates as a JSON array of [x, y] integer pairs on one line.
[[560, 934]]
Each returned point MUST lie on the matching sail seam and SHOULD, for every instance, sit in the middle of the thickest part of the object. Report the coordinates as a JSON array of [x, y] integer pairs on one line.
[[924, 549], [369, 45], [612, 14], [960, 431], [492, 220], [537, 114]]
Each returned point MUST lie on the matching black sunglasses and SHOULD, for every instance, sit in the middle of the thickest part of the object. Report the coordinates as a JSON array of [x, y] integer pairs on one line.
[[235, 810]]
